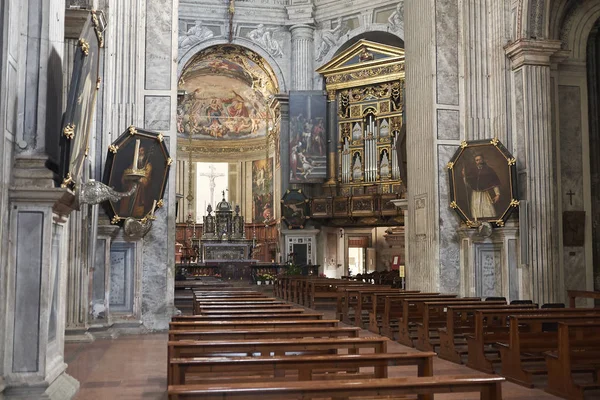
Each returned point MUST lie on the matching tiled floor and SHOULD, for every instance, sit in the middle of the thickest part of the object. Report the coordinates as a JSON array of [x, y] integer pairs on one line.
[[134, 367]]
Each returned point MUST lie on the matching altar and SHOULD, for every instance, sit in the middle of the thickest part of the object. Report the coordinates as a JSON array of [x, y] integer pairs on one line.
[[223, 246]]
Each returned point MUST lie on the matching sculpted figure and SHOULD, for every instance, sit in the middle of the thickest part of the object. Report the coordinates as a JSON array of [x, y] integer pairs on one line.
[[264, 38], [195, 35]]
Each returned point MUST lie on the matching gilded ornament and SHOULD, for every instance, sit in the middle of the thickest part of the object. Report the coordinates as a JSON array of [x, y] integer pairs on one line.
[[450, 165], [514, 203], [160, 203], [512, 161], [454, 205], [69, 131], [113, 149], [160, 137], [67, 181], [115, 220], [85, 46], [500, 222], [132, 130], [169, 161], [463, 144], [494, 141], [98, 83]]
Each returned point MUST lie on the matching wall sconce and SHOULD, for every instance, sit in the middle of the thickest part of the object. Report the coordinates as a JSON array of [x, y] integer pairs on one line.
[[341, 233]]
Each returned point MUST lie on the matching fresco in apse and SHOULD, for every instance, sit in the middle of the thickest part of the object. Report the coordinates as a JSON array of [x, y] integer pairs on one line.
[[226, 91], [262, 193]]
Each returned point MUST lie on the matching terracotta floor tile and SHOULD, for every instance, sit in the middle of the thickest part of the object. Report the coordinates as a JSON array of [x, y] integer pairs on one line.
[[134, 367]]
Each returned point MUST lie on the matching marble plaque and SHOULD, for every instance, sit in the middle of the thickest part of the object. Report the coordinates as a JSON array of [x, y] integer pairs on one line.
[[121, 276], [488, 269], [420, 216], [159, 57], [157, 113]]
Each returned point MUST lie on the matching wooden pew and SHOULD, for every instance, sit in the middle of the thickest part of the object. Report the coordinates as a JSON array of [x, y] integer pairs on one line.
[[282, 368], [377, 309], [248, 316], [263, 333], [250, 311], [459, 322], [574, 294], [489, 388], [433, 317], [578, 346], [349, 300], [220, 325], [243, 306], [394, 310], [492, 332], [527, 342], [316, 292], [186, 348], [412, 313]]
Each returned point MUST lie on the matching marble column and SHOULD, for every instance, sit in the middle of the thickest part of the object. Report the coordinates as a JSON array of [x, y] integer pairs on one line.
[[332, 138], [593, 70], [302, 56], [536, 163], [34, 276]]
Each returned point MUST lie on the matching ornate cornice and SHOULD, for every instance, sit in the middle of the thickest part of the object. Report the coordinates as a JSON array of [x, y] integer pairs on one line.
[[531, 52]]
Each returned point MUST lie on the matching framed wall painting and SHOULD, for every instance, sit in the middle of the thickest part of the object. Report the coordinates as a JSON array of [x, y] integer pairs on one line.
[[81, 103], [148, 152], [294, 208], [308, 144], [483, 182], [262, 190]]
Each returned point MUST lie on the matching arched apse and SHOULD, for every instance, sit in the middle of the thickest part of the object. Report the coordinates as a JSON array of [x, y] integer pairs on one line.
[[226, 90], [187, 55]]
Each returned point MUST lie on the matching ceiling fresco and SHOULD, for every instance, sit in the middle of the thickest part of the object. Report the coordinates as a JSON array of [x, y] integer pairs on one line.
[[226, 92]]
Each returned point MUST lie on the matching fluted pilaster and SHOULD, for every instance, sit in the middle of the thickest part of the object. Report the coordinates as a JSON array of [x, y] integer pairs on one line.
[[302, 56], [531, 60], [284, 141], [484, 35], [423, 256], [332, 138]]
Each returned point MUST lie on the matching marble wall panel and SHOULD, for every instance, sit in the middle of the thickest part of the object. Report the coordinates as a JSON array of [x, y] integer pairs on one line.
[[513, 273], [446, 28], [26, 340], [155, 307], [571, 166], [448, 124], [448, 225], [99, 281], [157, 113], [121, 276], [55, 266], [158, 44], [488, 272]]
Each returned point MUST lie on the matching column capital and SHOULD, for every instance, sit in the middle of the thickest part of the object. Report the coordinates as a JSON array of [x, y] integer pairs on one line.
[[331, 95], [302, 31], [531, 52]]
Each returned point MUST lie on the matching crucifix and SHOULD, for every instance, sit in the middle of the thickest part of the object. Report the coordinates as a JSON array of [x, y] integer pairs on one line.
[[212, 175], [231, 11], [570, 194]]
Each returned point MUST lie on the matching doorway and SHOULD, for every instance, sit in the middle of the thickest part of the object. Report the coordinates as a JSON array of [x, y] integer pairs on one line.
[[356, 260]]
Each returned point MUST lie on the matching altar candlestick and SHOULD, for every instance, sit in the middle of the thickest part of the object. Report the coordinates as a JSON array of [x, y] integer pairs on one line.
[[135, 154]]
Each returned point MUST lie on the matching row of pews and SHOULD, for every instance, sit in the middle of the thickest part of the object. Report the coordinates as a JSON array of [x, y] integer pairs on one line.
[[243, 344], [520, 341]]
